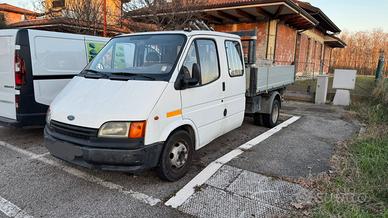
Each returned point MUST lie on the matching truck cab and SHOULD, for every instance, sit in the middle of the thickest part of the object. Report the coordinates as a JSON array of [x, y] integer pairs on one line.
[[150, 100]]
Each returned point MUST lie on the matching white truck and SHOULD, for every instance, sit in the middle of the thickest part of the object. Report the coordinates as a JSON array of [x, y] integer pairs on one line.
[[151, 99], [34, 67]]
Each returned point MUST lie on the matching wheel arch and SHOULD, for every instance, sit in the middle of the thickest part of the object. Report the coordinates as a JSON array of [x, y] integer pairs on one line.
[[279, 98], [267, 102], [185, 125]]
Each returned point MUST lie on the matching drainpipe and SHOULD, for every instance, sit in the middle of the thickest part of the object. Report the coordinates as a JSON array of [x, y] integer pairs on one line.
[[104, 11]]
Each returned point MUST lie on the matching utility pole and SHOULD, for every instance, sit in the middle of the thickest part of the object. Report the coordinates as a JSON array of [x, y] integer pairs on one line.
[[380, 66], [104, 11]]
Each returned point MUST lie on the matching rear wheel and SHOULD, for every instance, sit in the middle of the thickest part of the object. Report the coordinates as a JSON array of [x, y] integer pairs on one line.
[[176, 157], [270, 120]]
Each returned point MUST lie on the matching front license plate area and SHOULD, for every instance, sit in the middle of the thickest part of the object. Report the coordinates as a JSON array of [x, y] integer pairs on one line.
[[66, 151]]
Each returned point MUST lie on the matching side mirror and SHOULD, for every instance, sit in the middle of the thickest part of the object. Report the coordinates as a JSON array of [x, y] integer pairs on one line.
[[185, 80]]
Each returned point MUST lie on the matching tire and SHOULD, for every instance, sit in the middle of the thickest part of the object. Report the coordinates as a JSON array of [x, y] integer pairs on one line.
[[270, 120], [176, 157]]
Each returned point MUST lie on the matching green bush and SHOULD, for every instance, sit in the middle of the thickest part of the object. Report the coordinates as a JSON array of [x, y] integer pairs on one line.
[[371, 112], [374, 110], [370, 155], [380, 93], [362, 168], [363, 172]]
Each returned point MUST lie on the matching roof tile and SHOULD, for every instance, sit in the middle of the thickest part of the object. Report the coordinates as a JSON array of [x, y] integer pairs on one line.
[[12, 8]]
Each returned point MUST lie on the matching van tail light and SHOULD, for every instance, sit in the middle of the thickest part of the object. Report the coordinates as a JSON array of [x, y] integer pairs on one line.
[[20, 70]]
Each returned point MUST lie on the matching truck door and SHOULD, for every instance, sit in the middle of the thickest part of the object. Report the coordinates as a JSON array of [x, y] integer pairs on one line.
[[203, 103], [235, 85], [7, 74]]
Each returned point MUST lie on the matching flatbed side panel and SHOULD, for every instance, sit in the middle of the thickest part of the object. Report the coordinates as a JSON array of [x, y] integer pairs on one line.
[[262, 79], [273, 77], [280, 76]]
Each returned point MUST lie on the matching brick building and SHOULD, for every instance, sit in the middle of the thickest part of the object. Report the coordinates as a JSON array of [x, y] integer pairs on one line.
[[12, 14], [57, 7], [285, 32], [57, 16]]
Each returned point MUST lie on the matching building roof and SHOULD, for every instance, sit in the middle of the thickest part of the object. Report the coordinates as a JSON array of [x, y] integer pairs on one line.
[[65, 24], [334, 42], [236, 11], [325, 23], [14, 9]]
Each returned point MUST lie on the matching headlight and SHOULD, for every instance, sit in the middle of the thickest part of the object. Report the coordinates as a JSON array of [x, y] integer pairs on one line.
[[122, 130], [48, 116], [114, 130]]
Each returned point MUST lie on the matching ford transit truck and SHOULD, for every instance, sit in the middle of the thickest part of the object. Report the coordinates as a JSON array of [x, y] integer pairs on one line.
[[150, 100]]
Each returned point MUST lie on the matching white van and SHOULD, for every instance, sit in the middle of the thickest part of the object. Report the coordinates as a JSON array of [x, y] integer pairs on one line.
[[151, 99], [34, 67]]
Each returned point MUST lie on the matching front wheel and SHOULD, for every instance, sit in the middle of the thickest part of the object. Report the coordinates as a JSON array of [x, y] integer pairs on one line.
[[176, 156], [270, 120]]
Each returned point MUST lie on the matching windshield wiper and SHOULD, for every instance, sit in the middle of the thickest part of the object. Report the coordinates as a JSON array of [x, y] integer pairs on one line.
[[129, 75], [97, 74]]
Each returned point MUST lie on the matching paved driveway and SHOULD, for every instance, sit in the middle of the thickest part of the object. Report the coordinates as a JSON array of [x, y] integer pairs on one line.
[[33, 183]]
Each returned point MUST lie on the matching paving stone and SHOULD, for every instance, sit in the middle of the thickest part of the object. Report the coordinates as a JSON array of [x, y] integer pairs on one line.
[[224, 177], [214, 202], [269, 190], [233, 192]]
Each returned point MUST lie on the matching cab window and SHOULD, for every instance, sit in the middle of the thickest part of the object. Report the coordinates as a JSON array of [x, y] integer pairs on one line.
[[204, 53], [234, 58], [152, 54], [191, 59]]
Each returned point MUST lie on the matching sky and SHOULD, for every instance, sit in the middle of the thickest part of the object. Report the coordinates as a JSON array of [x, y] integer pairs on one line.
[[351, 15], [355, 15], [20, 3]]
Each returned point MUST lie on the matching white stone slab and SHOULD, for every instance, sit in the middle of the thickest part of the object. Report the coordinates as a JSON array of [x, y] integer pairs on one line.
[[342, 97]]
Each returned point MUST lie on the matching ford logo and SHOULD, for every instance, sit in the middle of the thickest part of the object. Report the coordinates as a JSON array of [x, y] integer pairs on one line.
[[70, 117]]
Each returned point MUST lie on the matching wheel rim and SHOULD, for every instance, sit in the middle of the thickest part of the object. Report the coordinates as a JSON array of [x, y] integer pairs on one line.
[[178, 155], [275, 113]]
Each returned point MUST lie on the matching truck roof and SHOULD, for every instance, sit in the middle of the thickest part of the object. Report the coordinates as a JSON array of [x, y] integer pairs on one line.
[[187, 33]]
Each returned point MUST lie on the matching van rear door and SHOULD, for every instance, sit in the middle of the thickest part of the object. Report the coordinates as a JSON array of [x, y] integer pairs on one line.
[[7, 74], [56, 58]]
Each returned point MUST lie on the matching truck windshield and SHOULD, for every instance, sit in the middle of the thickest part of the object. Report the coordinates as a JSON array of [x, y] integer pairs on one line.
[[139, 57]]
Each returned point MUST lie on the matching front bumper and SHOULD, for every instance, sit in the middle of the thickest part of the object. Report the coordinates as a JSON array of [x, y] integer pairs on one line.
[[112, 157]]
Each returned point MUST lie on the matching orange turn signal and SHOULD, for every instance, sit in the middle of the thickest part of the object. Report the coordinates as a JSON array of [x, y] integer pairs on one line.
[[137, 130]]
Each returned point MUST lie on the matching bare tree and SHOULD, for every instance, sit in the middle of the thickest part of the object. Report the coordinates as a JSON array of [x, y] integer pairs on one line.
[[2, 21], [40, 6], [362, 51], [85, 14], [164, 14]]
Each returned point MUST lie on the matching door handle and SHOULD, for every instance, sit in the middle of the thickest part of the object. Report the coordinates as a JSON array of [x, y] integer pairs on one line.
[[223, 86], [225, 112]]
